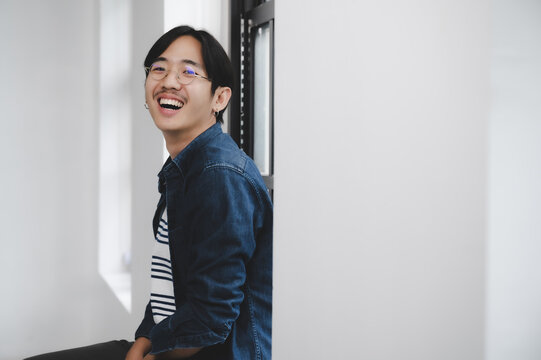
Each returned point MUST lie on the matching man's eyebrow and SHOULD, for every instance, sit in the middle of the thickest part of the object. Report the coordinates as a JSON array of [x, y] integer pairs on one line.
[[193, 63], [185, 61], [161, 58]]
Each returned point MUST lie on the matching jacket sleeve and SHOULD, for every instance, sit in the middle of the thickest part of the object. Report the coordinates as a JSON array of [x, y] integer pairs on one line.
[[220, 226], [146, 325]]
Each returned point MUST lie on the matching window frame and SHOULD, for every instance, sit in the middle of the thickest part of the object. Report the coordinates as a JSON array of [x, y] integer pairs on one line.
[[246, 17]]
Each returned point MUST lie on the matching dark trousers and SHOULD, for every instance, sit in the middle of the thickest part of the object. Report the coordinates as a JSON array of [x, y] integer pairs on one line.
[[112, 350]]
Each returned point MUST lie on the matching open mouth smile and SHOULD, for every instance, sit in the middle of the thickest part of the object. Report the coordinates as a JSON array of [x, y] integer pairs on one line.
[[171, 104]]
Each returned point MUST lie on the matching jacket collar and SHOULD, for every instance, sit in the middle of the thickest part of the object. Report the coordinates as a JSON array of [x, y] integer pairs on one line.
[[185, 156]]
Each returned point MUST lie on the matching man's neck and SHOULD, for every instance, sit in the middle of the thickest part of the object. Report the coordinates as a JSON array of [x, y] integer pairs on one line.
[[176, 141]]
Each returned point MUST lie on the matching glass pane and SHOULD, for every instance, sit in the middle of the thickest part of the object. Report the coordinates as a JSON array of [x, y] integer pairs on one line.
[[262, 97]]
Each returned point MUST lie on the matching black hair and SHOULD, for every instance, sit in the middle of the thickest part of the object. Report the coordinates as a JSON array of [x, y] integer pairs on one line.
[[215, 59]]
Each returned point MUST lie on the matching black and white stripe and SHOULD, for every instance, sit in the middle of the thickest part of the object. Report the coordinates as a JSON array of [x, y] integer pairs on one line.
[[162, 305], [162, 297]]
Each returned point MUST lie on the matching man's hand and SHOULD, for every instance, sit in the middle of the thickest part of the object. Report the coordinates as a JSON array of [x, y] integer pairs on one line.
[[139, 350]]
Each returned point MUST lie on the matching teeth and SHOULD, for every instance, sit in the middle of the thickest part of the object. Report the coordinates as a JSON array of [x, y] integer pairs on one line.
[[172, 102]]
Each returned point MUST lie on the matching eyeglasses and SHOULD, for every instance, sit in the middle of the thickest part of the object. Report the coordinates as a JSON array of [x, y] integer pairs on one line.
[[185, 74]]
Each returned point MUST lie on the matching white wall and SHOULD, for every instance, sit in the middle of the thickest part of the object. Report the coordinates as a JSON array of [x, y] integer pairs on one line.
[[381, 115], [514, 272], [52, 294]]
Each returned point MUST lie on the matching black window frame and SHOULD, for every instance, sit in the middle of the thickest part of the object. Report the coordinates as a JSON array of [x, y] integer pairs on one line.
[[246, 17]]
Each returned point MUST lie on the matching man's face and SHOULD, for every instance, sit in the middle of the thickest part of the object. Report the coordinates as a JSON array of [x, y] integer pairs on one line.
[[178, 109]]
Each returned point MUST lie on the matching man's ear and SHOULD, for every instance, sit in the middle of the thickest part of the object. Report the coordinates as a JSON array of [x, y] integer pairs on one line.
[[222, 95]]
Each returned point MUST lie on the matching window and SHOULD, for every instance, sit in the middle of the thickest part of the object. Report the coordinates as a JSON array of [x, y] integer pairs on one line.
[[115, 148], [251, 108]]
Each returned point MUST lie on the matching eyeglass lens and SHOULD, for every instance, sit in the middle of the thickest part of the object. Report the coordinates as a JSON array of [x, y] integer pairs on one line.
[[185, 73]]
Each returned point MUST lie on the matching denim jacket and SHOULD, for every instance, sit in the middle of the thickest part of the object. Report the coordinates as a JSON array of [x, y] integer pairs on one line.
[[220, 240]]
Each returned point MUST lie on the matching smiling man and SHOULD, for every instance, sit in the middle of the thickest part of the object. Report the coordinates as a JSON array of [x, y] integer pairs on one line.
[[211, 282], [211, 266]]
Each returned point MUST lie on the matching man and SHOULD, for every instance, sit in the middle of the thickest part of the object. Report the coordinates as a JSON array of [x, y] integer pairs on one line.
[[214, 212], [211, 273]]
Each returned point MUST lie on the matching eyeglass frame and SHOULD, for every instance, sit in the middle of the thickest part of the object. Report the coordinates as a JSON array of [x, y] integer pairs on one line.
[[178, 77]]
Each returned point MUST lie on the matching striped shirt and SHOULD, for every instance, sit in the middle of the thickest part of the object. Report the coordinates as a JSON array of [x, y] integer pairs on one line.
[[162, 296]]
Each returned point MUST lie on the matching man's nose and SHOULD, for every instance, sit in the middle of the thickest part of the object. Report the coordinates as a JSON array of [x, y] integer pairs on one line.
[[171, 80]]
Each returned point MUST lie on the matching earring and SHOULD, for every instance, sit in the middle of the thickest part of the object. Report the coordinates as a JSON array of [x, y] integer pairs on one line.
[[216, 114], [146, 106]]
